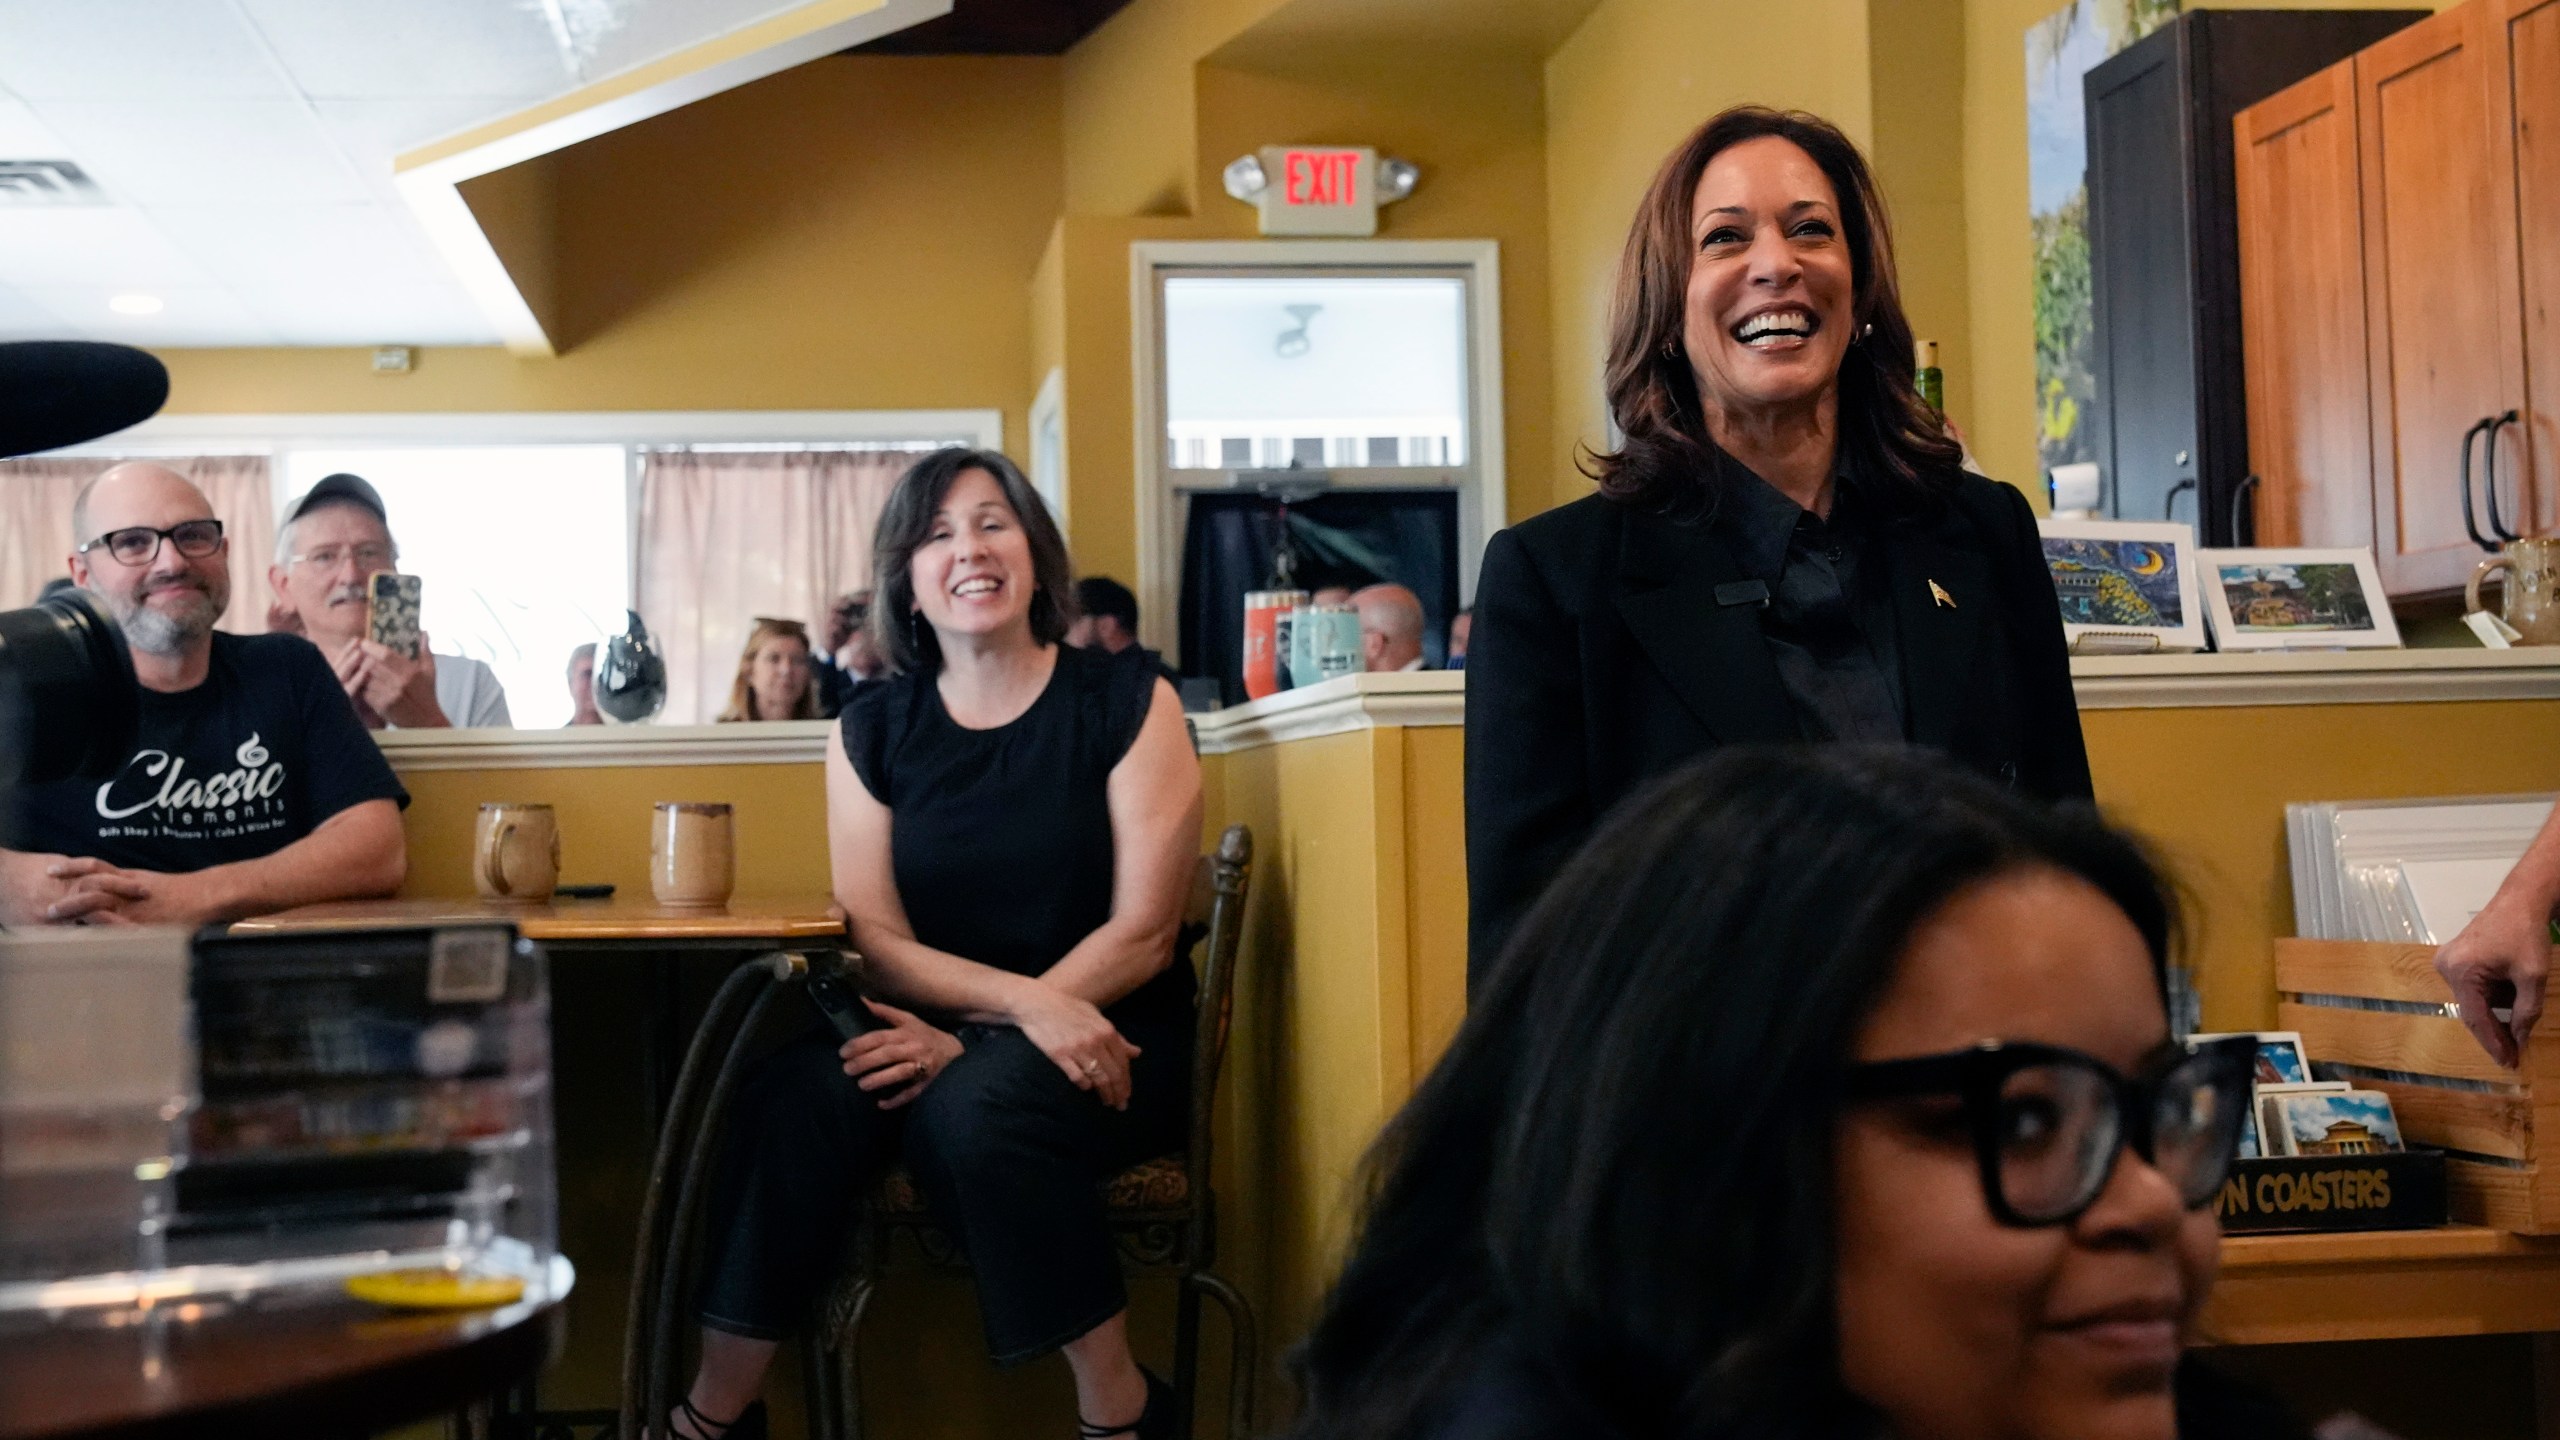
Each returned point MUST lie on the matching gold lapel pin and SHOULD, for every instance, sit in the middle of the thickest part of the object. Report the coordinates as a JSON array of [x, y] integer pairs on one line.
[[1939, 593]]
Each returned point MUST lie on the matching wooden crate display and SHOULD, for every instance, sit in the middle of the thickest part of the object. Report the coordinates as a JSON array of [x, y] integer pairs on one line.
[[2455, 1096]]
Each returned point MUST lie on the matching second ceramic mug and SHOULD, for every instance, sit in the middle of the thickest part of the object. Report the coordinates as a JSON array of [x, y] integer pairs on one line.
[[692, 854], [515, 852], [2532, 584]]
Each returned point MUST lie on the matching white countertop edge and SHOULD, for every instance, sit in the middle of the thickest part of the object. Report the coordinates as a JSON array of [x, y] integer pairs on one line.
[[587, 747], [1435, 698]]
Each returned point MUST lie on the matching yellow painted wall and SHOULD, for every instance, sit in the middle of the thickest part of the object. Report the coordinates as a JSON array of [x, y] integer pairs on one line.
[[1620, 93], [855, 233], [605, 816], [2209, 788]]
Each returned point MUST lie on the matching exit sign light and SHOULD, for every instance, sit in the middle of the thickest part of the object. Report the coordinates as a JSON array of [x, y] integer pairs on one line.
[[1319, 190]]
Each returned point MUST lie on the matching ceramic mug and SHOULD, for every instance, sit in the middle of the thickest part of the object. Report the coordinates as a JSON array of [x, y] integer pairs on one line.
[[2532, 583], [693, 855], [515, 853]]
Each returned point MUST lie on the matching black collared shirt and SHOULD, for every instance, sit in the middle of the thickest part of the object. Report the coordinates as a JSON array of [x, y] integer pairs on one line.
[[1828, 622]]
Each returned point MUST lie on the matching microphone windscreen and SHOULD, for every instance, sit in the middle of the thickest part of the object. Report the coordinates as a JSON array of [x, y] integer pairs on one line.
[[64, 392]]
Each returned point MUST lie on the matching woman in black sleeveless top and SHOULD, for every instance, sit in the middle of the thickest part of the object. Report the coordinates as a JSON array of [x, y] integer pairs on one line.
[[1012, 824]]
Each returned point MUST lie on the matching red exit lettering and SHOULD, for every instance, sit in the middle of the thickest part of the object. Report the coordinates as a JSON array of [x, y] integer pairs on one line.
[[1320, 177]]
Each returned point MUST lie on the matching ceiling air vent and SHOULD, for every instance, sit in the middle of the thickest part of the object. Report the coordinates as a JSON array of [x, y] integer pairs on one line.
[[47, 182]]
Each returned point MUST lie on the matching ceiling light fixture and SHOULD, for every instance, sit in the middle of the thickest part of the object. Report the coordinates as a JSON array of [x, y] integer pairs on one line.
[[135, 304]]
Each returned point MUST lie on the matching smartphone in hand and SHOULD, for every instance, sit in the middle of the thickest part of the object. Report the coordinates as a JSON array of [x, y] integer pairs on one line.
[[391, 618]]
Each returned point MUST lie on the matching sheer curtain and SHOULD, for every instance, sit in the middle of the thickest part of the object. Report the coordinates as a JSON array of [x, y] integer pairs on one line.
[[35, 525], [725, 537]]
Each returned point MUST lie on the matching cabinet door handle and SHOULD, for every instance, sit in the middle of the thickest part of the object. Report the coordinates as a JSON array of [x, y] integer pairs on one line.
[[2240, 504], [2470, 525], [2489, 475]]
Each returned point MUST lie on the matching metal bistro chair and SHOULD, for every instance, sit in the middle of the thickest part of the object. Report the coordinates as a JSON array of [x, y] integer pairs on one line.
[[1162, 1212]]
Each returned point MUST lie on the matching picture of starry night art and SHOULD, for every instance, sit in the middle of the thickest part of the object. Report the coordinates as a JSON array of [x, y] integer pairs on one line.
[[2126, 583]]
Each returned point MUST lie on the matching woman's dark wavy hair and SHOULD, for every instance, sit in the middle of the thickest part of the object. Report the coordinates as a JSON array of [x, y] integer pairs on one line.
[[1884, 424], [903, 641], [1622, 1167]]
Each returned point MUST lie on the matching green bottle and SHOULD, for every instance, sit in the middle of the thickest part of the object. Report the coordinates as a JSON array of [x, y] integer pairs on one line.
[[1933, 381]]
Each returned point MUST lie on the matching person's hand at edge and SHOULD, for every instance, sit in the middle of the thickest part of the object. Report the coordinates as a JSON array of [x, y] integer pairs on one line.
[[901, 1060]]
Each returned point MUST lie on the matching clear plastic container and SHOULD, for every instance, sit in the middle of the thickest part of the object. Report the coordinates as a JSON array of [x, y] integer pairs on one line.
[[364, 1101], [97, 1076]]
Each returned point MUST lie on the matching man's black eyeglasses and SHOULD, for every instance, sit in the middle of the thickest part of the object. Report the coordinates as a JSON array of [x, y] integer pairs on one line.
[[140, 544], [2048, 1123]]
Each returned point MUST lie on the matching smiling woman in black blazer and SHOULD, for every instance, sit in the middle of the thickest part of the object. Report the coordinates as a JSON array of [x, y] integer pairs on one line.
[[1786, 546]]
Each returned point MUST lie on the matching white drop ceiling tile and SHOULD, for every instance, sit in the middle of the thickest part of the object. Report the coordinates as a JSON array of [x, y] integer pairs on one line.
[[384, 49], [132, 49], [21, 318], [280, 247], [199, 315], [206, 152], [23, 136], [421, 313], [373, 133], [101, 245], [614, 35]]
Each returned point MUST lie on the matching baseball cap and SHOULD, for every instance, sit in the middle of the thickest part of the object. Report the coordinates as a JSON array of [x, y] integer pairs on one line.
[[354, 489]]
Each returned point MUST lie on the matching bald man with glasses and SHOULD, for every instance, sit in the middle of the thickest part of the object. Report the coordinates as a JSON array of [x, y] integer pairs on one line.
[[252, 787]]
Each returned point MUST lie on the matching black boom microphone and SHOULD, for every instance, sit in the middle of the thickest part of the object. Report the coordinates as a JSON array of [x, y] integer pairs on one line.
[[63, 392]]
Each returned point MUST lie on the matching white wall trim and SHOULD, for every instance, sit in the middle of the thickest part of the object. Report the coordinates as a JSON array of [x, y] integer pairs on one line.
[[1159, 516], [1439, 698], [1337, 707], [2368, 677], [590, 747], [235, 434]]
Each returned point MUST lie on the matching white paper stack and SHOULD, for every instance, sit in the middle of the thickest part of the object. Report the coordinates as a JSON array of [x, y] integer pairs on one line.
[[2414, 871]]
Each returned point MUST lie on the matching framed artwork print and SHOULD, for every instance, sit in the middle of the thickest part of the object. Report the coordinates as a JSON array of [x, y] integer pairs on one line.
[[2296, 600], [2124, 585]]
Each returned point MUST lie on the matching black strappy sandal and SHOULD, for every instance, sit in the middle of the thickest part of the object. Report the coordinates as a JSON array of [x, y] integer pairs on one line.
[[748, 1424], [1156, 1422]]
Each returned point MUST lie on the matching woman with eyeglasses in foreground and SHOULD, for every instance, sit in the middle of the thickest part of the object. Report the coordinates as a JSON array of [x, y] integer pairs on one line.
[[1852, 1111]]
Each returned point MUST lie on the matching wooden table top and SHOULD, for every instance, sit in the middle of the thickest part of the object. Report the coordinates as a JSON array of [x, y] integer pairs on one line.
[[745, 917], [318, 1365], [2384, 1284]]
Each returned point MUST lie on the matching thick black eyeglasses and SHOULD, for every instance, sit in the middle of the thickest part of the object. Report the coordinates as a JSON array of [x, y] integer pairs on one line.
[[140, 544], [2048, 1123]]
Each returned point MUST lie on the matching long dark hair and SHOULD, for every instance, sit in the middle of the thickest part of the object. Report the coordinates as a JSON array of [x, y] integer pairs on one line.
[[1667, 458], [1621, 1170], [902, 640]]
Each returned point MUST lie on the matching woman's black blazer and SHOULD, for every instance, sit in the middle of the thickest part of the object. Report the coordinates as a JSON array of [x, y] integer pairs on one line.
[[1611, 644]]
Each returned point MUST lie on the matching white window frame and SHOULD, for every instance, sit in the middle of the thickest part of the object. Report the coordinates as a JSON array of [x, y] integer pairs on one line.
[[1162, 490], [636, 431]]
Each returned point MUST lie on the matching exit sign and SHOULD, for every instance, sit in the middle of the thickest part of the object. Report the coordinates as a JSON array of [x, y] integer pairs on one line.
[[1319, 190]]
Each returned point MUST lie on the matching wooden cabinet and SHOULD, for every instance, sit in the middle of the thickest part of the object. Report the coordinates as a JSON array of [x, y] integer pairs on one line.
[[2525, 71], [2170, 429], [2302, 315], [2440, 323], [2400, 259]]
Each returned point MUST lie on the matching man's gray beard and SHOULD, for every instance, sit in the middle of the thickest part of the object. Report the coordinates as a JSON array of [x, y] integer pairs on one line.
[[155, 632]]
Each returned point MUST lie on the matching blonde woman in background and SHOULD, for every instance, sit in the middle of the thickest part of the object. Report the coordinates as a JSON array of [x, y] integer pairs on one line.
[[773, 675]]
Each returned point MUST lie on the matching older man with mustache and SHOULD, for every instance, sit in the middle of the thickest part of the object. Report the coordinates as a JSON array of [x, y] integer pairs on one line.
[[333, 539], [252, 787]]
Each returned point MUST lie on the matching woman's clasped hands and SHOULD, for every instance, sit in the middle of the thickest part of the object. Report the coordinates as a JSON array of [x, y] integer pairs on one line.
[[1075, 1036]]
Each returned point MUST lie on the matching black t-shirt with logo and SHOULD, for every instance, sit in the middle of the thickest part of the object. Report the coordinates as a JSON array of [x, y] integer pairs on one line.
[[237, 768]]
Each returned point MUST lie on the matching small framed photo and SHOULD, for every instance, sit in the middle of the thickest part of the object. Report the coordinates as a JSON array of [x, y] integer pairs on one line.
[[2349, 1122], [2297, 600], [2281, 1058], [2124, 585]]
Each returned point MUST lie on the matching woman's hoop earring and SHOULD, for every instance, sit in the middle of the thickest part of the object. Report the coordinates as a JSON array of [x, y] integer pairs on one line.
[[1670, 349]]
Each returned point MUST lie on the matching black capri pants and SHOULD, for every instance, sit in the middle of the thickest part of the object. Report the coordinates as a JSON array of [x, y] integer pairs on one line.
[[1007, 1152]]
